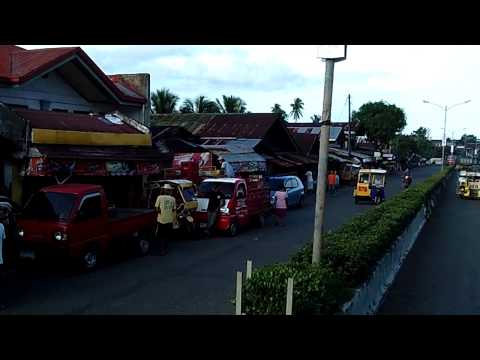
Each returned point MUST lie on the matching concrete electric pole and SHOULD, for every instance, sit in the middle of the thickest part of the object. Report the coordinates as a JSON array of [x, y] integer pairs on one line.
[[331, 54]]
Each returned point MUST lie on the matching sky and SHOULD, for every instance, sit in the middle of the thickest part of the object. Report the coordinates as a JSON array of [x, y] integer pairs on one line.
[[263, 75]]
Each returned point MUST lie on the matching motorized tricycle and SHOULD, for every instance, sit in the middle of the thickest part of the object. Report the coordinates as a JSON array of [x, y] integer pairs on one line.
[[370, 186]]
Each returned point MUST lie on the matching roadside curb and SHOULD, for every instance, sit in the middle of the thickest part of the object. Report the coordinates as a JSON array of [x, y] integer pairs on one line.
[[369, 296]]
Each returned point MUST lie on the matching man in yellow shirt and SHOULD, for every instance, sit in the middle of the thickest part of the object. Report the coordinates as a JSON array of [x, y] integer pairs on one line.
[[166, 207]]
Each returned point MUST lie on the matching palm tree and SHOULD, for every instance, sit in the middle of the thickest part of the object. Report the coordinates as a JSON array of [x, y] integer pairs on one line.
[[164, 101], [201, 104], [276, 109], [232, 104], [297, 108], [316, 119]]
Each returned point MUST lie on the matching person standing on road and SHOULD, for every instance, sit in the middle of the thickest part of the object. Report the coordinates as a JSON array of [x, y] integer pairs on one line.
[[2, 270], [226, 168], [214, 204], [331, 182], [337, 180], [280, 210], [166, 208], [309, 176]]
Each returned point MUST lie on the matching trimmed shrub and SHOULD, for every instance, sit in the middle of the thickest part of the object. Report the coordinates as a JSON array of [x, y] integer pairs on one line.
[[349, 255]]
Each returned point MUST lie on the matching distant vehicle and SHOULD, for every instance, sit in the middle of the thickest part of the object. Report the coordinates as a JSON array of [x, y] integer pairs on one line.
[[469, 185], [246, 201], [74, 220], [451, 160], [370, 186], [294, 187], [435, 161]]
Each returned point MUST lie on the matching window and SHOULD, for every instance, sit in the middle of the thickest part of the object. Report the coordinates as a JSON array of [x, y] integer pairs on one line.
[[364, 178], [188, 194], [206, 187], [291, 183], [49, 205], [91, 207], [241, 192]]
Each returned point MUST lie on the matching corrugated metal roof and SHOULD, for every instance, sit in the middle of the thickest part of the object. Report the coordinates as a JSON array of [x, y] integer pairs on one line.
[[245, 157], [73, 122], [247, 126], [305, 141]]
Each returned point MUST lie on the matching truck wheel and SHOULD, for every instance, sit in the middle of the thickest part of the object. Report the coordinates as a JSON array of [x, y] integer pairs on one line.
[[89, 259], [142, 243], [232, 230]]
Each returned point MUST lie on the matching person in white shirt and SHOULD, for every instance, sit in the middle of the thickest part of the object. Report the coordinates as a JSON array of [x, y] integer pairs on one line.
[[309, 176], [227, 169]]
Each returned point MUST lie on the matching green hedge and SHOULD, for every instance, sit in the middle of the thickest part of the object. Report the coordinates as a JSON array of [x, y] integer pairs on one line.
[[350, 253]]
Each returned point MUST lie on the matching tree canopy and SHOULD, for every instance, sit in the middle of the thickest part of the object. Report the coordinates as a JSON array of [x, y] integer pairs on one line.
[[277, 109], [232, 104], [316, 119], [417, 142], [379, 121], [201, 104], [164, 101], [297, 109]]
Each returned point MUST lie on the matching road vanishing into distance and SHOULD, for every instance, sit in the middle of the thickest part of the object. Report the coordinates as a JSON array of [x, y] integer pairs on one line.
[[198, 276], [441, 275]]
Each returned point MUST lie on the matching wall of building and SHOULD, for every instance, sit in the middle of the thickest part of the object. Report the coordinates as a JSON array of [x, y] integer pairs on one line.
[[52, 92]]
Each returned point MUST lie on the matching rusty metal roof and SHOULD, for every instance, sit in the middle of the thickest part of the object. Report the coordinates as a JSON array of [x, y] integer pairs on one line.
[[247, 126], [305, 141], [73, 122]]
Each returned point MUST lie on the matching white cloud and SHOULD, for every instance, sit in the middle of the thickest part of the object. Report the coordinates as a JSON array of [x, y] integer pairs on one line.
[[267, 74]]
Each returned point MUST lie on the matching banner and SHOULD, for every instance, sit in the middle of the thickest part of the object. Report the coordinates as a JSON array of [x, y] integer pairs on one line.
[[120, 168], [203, 159], [147, 168], [90, 168]]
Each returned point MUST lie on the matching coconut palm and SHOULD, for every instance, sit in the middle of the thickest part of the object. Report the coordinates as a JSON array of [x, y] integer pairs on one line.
[[277, 109], [297, 108], [232, 104], [201, 104], [164, 101], [315, 119]]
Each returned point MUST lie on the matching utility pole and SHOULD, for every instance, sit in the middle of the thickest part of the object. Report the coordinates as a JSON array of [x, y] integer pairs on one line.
[[349, 128], [331, 54], [445, 109]]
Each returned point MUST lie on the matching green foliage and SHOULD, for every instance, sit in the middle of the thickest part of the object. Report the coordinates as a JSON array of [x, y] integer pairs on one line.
[[164, 101], [297, 109], [316, 290], [232, 104], [405, 145], [276, 109], [201, 104], [348, 257], [315, 119], [379, 121]]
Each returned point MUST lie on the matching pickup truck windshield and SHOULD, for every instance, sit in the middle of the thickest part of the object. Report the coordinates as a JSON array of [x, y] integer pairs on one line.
[[225, 188], [49, 206]]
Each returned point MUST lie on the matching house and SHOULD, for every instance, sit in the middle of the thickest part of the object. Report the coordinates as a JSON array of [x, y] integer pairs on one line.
[[82, 125], [307, 136], [265, 134]]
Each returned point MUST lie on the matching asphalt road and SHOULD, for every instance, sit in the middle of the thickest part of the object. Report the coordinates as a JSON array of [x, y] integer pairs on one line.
[[196, 277], [441, 275]]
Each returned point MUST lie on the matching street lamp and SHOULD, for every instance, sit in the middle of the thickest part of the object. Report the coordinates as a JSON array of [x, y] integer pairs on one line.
[[445, 109]]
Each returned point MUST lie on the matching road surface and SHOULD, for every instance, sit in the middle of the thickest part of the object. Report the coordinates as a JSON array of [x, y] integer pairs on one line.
[[196, 277], [441, 275]]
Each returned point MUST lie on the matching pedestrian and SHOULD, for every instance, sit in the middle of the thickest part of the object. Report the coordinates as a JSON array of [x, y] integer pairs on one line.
[[166, 208], [331, 182], [226, 168], [309, 176], [215, 198], [280, 210], [337, 180]]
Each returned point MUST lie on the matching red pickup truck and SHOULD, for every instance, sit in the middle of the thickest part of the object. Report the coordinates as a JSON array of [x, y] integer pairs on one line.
[[74, 219], [245, 200]]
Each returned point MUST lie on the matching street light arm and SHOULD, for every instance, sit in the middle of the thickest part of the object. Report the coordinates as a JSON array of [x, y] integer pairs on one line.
[[431, 103], [463, 102]]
